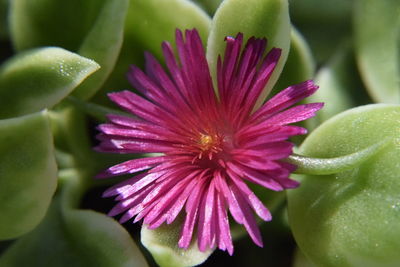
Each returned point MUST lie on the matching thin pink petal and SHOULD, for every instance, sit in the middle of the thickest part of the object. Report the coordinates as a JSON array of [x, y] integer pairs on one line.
[[286, 98], [207, 207], [225, 239], [251, 198], [295, 114], [132, 166], [192, 206], [249, 221]]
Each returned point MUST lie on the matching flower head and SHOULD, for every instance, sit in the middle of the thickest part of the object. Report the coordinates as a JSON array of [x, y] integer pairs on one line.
[[212, 146]]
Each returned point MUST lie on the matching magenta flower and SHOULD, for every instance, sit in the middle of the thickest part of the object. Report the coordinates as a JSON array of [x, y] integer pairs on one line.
[[212, 146]]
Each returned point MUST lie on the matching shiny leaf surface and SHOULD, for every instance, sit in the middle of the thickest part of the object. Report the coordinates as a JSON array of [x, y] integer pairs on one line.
[[350, 218], [376, 25], [27, 173], [40, 78]]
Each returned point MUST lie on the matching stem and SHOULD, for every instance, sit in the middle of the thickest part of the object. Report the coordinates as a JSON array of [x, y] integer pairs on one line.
[[324, 166]]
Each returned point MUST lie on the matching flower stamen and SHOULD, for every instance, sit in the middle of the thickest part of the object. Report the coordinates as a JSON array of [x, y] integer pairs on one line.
[[209, 145]]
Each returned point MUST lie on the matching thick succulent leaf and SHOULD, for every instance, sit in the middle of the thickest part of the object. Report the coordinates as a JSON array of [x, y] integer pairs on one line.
[[40, 78], [71, 137], [162, 242], [259, 18], [93, 29], [323, 166], [209, 5], [320, 23], [48, 22], [300, 65], [47, 245], [340, 87], [105, 243], [301, 261], [71, 237], [151, 22], [376, 26], [82, 238], [350, 218], [148, 24], [27, 173], [103, 44]]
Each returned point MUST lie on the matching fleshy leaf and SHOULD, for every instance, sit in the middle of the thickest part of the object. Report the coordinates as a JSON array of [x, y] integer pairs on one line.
[[71, 237], [209, 5], [103, 44], [162, 242], [52, 23], [148, 24], [144, 15], [117, 247], [351, 218], [300, 65], [319, 23], [40, 78], [28, 173], [94, 30], [259, 18], [376, 27], [301, 261], [340, 87], [323, 166]]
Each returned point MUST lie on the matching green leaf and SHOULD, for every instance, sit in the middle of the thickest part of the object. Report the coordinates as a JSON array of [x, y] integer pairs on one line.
[[162, 242], [351, 218], [71, 137], [103, 44], [300, 65], [376, 27], [301, 261], [71, 237], [40, 78], [323, 166], [105, 242], [209, 5], [148, 24], [93, 29], [259, 18], [52, 23], [340, 88], [319, 23], [27, 173]]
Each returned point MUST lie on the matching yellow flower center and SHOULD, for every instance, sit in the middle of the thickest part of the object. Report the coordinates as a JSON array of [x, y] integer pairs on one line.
[[206, 142]]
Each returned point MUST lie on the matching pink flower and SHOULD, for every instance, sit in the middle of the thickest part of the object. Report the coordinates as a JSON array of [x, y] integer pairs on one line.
[[212, 146]]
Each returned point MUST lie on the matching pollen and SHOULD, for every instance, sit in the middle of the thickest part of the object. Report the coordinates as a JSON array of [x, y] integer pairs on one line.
[[209, 144], [206, 141]]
